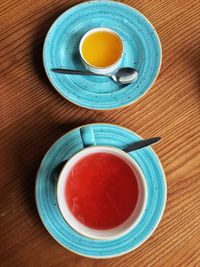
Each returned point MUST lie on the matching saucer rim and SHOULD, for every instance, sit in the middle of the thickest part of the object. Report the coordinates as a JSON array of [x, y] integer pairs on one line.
[[110, 108], [150, 233]]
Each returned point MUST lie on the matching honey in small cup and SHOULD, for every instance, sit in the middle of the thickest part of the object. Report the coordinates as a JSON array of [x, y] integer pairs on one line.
[[101, 50]]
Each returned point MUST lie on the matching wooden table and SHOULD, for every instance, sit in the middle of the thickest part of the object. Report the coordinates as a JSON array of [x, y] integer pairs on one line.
[[34, 115]]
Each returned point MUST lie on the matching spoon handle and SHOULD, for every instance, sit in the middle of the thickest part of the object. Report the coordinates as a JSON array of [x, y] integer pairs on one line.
[[141, 144], [76, 72], [129, 148]]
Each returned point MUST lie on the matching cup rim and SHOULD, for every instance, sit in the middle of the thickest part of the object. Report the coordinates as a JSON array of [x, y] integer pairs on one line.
[[115, 235], [95, 30]]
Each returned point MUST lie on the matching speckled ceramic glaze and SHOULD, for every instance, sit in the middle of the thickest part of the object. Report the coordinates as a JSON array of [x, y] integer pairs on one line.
[[142, 50], [68, 145]]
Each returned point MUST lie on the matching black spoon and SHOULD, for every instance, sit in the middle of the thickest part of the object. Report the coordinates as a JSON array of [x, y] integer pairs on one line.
[[132, 147]]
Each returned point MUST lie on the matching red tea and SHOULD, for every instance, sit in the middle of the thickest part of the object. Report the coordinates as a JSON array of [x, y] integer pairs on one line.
[[101, 190]]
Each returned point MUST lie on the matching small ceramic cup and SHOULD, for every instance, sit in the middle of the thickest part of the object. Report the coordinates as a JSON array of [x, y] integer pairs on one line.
[[101, 70], [87, 136]]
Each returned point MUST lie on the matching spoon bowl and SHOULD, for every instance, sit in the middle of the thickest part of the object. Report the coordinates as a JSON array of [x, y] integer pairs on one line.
[[125, 75]]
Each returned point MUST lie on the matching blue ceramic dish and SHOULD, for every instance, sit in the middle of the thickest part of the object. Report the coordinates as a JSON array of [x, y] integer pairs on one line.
[[68, 145], [142, 50]]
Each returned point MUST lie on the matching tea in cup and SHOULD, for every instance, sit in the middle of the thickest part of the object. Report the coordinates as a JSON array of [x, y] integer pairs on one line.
[[101, 50]]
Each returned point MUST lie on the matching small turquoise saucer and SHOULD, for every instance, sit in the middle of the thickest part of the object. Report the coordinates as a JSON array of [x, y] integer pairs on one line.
[[142, 51], [69, 144]]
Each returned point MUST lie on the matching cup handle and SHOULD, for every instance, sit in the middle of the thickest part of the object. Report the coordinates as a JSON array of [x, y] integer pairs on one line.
[[87, 136]]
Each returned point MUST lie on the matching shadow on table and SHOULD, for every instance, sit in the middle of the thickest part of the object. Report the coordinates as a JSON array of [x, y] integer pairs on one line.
[[196, 66], [192, 60], [29, 139], [32, 142]]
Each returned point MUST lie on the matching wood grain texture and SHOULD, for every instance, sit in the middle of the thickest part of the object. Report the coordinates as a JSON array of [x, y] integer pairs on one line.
[[34, 115]]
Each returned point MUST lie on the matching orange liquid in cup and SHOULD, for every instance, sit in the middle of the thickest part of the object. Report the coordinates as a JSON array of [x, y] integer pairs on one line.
[[102, 49]]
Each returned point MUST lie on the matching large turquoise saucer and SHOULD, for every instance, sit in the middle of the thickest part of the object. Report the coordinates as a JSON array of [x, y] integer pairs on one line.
[[67, 145]]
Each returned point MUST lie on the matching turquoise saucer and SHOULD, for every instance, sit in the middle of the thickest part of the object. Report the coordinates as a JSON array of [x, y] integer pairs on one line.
[[66, 146], [142, 51]]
